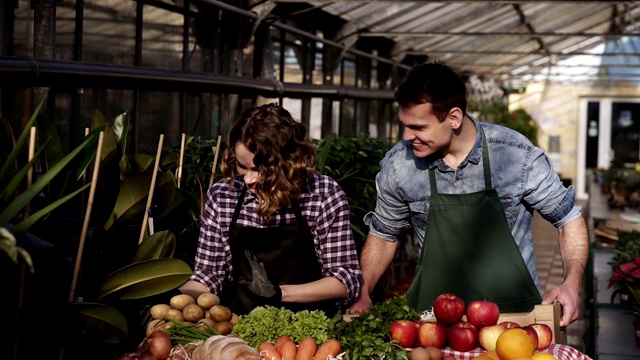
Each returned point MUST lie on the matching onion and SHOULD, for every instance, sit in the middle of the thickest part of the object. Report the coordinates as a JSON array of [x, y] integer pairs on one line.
[[159, 343]]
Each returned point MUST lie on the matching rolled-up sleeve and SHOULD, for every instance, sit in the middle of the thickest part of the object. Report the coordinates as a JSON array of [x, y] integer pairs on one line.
[[335, 243], [391, 215], [546, 193], [213, 254]]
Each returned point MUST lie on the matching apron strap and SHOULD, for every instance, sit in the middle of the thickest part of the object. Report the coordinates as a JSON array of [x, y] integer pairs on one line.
[[239, 204], [485, 161]]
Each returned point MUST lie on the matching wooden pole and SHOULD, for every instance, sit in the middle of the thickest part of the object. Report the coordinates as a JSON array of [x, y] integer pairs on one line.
[[87, 216], [143, 231], [84, 176], [32, 151], [21, 267], [215, 161], [179, 172]]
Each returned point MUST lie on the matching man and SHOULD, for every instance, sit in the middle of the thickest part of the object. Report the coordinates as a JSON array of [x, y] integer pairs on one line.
[[469, 190]]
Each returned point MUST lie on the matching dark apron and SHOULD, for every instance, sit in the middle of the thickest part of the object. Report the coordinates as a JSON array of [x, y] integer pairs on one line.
[[287, 253], [469, 251]]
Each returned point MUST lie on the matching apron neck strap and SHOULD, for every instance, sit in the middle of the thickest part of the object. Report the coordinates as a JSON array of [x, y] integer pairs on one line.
[[485, 165], [485, 160], [295, 205], [236, 212]]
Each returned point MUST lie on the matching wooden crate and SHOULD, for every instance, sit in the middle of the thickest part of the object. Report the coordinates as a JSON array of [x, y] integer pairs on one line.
[[543, 314]]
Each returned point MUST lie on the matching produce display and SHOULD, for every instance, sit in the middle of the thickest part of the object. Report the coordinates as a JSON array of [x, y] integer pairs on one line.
[[463, 328], [190, 329]]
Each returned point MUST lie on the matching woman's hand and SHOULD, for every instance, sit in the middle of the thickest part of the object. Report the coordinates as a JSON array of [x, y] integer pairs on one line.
[[361, 305], [193, 288]]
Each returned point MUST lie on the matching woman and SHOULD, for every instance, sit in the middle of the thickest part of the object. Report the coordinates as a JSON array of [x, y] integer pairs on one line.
[[274, 231]]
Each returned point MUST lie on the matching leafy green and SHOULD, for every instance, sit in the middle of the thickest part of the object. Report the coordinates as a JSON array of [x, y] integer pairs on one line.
[[267, 323], [366, 336]]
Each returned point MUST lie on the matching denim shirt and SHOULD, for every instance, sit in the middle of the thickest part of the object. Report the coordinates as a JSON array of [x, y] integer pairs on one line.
[[520, 172]]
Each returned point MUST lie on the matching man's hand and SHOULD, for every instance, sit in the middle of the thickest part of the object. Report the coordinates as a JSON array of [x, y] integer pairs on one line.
[[569, 298], [361, 305]]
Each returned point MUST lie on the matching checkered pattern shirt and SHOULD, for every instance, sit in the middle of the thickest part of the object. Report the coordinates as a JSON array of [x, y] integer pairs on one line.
[[324, 206]]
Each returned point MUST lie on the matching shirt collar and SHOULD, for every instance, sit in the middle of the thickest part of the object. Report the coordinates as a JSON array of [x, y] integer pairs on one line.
[[474, 156]]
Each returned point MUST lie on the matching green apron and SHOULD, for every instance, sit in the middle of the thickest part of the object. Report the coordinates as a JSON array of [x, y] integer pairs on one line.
[[469, 251]]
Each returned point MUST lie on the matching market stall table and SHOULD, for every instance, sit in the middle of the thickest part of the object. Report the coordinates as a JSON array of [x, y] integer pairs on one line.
[[560, 351]]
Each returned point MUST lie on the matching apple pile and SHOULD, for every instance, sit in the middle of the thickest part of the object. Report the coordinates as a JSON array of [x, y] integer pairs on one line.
[[481, 327]]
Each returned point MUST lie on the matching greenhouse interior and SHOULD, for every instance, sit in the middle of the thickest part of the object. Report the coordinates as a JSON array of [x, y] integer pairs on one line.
[[115, 122]]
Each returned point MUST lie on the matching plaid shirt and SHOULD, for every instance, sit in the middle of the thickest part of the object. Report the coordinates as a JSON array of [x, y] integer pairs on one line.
[[324, 206]]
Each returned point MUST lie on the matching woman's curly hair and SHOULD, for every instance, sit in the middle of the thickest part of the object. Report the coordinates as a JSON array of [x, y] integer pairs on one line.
[[284, 157]]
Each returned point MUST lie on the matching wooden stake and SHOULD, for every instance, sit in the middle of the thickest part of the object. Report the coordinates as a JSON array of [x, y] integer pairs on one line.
[[22, 267], [179, 172], [215, 161], [87, 215], [84, 177], [143, 231], [32, 151]]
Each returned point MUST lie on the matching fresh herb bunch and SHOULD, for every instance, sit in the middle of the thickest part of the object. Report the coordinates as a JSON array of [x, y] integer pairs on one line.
[[267, 323], [184, 333], [367, 336]]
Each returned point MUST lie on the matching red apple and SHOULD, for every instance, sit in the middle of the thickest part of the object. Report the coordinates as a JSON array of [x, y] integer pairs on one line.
[[448, 308], [510, 324], [483, 313], [532, 332], [405, 331], [432, 333], [488, 336], [462, 336], [545, 335]]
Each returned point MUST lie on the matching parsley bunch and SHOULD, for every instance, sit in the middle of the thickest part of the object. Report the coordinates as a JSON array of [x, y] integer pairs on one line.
[[366, 336]]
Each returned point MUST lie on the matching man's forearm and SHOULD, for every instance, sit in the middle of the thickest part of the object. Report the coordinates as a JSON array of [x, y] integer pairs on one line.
[[574, 248], [376, 257]]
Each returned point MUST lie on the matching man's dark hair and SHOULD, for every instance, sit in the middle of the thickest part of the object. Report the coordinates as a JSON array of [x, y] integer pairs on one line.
[[433, 83]]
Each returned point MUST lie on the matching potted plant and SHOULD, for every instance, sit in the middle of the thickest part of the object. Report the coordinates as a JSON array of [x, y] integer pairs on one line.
[[626, 282], [119, 275]]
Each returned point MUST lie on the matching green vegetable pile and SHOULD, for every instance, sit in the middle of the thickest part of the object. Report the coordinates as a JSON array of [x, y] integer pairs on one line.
[[267, 323], [183, 333], [366, 336]]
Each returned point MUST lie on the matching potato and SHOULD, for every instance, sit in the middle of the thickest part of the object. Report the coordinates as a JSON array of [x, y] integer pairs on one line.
[[220, 313], [159, 311], [224, 327], [175, 314], [207, 300], [193, 312], [181, 301], [153, 325]]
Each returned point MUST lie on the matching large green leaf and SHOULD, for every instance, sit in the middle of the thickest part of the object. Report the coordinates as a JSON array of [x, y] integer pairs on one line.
[[159, 245], [18, 179], [10, 211], [147, 278], [99, 321], [132, 198], [21, 229], [120, 125], [5, 172], [54, 147], [139, 162]]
